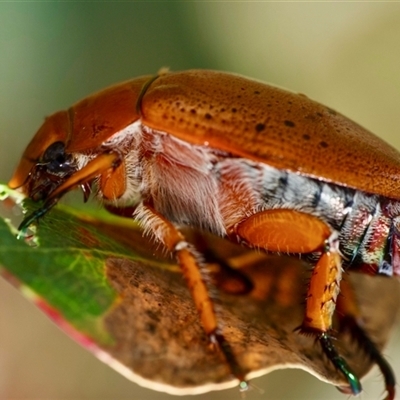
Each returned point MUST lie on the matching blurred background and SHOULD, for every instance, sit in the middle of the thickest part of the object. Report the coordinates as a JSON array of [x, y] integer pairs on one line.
[[345, 55]]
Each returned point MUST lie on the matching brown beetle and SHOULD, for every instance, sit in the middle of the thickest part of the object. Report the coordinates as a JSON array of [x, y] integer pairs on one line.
[[244, 160]]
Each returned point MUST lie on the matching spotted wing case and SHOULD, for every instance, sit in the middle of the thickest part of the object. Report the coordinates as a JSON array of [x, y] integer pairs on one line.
[[264, 123]]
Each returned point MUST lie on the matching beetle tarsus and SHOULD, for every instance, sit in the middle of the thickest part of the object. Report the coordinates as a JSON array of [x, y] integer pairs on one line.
[[350, 325], [340, 363], [219, 339], [31, 218]]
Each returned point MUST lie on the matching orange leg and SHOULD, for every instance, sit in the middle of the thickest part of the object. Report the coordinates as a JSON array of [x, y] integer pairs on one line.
[[350, 320], [195, 274], [292, 231], [113, 182]]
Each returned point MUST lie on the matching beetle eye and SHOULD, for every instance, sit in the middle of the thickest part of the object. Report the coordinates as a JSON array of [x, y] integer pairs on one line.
[[56, 160], [56, 151]]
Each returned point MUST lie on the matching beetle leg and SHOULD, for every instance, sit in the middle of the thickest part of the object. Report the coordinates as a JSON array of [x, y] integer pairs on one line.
[[31, 218], [291, 231], [227, 278], [323, 289], [350, 321], [113, 182], [86, 190], [192, 266]]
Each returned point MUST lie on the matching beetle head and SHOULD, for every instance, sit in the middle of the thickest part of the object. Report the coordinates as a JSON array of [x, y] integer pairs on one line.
[[50, 172], [45, 164]]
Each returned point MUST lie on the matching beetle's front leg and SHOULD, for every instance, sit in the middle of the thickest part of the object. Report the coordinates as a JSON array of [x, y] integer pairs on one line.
[[195, 273], [290, 231]]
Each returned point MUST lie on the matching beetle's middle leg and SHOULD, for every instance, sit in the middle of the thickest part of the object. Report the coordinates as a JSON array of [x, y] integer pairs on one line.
[[351, 321], [289, 231], [195, 273]]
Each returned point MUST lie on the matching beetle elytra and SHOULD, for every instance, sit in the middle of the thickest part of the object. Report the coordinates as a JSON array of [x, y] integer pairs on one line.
[[255, 164]]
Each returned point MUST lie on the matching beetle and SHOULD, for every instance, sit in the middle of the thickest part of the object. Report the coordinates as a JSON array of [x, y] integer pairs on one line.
[[255, 164]]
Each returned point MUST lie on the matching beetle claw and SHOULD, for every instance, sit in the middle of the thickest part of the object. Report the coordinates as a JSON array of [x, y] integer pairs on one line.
[[359, 335], [86, 190], [340, 363], [219, 339], [31, 218]]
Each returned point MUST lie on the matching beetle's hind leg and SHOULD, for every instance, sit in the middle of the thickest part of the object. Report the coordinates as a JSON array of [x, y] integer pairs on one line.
[[321, 301], [350, 320], [285, 230]]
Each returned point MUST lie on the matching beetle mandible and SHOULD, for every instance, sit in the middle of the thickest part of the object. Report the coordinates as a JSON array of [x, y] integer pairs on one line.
[[255, 164]]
